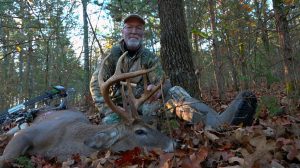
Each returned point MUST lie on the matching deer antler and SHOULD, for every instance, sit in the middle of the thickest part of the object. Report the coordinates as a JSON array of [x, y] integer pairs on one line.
[[119, 76]]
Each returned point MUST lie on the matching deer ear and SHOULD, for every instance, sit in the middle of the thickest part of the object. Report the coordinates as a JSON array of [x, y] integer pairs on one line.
[[102, 140]]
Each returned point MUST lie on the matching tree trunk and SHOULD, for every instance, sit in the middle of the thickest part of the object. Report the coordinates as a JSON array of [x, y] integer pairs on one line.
[[86, 49], [20, 94], [228, 40], [215, 52], [243, 63], [241, 42], [188, 11], [264, 29], [47, 63], [176, 53], [21, 76], [285, 45], [232, 65], [261, 23], [5, 35], [263, 34], [29, 72]]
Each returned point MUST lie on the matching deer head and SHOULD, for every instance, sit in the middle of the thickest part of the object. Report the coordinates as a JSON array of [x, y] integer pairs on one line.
[[132, 130]]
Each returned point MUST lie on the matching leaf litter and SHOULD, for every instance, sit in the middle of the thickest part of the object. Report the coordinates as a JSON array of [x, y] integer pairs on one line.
[[272, 141]]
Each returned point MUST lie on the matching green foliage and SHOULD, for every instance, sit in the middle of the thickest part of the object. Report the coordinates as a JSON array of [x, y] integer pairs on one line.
[[271, 103], [25, 162], [200, 33], [261, 69], [270, 77], [244, 78], [173, 124]]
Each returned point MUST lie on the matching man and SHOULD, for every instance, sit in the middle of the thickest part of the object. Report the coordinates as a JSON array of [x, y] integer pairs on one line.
[[241, 109], [137, 58]]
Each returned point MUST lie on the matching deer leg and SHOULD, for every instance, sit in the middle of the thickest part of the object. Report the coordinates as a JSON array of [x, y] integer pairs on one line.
[[16, 147]]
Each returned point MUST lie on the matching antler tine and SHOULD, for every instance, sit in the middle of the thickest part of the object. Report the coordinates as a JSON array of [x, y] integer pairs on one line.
[[117, 77], [148, 94], [145, 96], [132, 100]]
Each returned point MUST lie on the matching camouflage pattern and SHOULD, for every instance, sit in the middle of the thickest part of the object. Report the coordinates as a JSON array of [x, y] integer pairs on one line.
[[241, 110], [142, 59], [190, 109]]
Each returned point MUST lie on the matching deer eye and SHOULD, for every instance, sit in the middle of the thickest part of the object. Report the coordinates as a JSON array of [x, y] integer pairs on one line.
[[140, 132]]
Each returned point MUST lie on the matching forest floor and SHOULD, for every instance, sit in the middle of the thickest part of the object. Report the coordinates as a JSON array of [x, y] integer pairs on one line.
[[272, 141]]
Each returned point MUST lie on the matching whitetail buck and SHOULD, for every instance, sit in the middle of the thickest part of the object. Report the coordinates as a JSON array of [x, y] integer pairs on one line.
[[63, 133]]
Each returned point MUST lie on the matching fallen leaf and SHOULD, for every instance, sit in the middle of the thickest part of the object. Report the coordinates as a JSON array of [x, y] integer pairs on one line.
[[68, 163], [18, 48], [202, 154], [188, 163], [275, 164], [269, 132], [292, 153], [133, 166], [241, 161], [261, 151], [164, 160], [211, 136], [282, 121], [236, 166], [128, 157], [226, 155], [224, 106], [226, 146], [76, 158]]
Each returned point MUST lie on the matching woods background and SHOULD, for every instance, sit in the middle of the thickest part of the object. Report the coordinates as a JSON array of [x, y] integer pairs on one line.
[[206, 46]]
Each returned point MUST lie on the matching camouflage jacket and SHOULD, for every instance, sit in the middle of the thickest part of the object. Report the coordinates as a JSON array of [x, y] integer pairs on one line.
[[143, 58]]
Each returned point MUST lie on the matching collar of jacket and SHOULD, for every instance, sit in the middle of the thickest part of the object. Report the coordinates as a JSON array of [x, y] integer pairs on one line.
[[137, 54]]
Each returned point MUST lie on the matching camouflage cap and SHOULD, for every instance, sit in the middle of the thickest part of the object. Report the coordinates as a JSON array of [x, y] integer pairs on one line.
[[136, 16]]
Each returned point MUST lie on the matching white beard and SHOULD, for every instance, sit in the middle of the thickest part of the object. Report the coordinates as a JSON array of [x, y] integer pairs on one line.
[[133, 44]]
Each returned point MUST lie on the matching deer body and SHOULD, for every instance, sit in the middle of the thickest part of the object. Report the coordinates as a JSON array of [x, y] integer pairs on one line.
[[61, 134], [64, 133]]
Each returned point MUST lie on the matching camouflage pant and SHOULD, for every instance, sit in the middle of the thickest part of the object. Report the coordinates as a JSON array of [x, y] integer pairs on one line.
[[241, 109], [178, 101], [184, 106], [190, 109]]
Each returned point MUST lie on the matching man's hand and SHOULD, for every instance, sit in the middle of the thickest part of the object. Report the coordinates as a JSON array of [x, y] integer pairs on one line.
[[156, 96]]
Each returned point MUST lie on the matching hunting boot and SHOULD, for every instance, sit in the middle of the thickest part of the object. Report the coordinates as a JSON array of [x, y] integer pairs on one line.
[[240, 111]]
